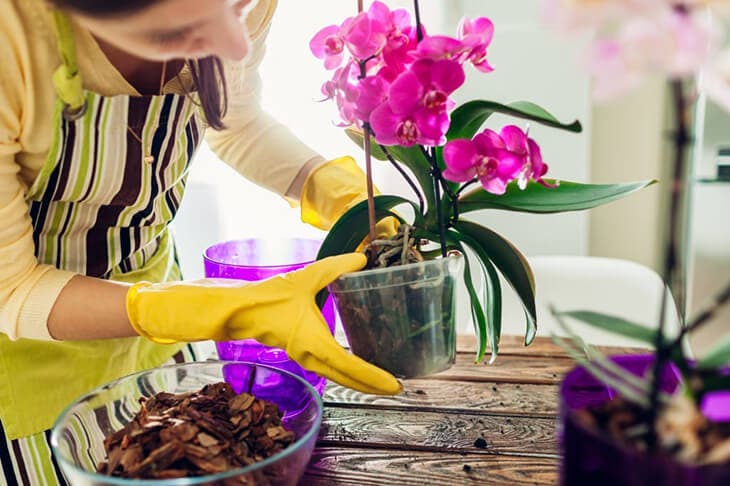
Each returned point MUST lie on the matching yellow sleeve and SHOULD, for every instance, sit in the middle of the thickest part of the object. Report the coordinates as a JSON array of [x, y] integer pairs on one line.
[[254, 144], [27, 290]]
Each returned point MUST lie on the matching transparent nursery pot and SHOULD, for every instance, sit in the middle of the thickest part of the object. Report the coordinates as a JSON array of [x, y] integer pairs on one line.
[[258, 259], [591, 457], [402, 318]]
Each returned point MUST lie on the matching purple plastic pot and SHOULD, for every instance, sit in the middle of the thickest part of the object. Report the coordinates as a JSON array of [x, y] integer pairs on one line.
[[591, 458], [258, 259]]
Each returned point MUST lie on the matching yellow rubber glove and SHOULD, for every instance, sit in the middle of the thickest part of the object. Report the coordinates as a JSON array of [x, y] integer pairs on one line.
[[279, 312], [333, 188]]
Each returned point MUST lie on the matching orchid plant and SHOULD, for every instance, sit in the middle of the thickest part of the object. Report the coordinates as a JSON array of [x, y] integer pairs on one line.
[[682, 41], [393, 84]]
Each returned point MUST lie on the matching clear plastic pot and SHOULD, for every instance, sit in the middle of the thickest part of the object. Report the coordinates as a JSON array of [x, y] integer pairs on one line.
[[402, 318]]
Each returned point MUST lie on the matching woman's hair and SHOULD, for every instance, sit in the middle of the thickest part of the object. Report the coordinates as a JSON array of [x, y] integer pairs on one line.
[[207, 73]]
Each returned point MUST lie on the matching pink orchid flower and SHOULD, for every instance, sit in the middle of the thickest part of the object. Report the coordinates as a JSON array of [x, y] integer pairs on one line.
[[400, 35], [427, 84], [364, 35], [343, 88], [485, 157], [495, 159], [407, 129], [329, 45], [373, 92], [439, 47], [398, 52], [523, 148], [418, 101], [474, 38], [476, 35]]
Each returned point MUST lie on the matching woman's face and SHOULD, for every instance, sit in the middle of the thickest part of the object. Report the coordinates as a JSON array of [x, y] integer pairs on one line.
[[177, 29]]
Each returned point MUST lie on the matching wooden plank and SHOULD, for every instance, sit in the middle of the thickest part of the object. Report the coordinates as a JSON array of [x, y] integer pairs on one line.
[[334, 466], [540, 347], [456, 397], [438, 431], [508, 369]]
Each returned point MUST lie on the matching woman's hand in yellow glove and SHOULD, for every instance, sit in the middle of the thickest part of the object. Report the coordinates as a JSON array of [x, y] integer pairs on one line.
[[279, 312], [333, 188]]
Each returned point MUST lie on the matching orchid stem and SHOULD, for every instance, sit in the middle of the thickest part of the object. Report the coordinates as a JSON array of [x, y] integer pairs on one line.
[[438, 176], [440, 217], [437, 180], [462, 188], [369, 177], [367, 131], [419, 26], [720, 299], [401, 170], [672, 264]]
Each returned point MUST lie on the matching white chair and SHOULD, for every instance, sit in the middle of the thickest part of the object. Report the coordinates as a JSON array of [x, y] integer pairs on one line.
[[619, 287]]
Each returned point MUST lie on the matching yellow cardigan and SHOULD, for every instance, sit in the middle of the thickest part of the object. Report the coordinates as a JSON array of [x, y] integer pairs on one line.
[[255, 145]]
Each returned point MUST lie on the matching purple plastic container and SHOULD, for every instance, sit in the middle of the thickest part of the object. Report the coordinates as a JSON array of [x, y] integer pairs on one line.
[[258, 259], [592, 458]]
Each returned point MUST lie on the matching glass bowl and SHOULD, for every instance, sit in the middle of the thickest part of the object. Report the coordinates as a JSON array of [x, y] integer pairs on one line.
[[77, 439]]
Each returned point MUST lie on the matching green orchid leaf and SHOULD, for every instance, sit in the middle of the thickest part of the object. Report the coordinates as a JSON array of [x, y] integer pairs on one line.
[[352, 227], [411, 157], [492, 293], [511, 263], [477, 310], [536, 198], [613, 324], [357, 136], [719, 355], [467, 119]]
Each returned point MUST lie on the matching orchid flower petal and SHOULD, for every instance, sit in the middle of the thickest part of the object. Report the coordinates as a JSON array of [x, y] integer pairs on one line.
[[459, 154], [405, 92]]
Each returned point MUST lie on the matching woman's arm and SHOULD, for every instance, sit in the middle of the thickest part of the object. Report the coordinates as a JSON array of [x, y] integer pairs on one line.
[[27, 289], [90, 308], [255, 144]]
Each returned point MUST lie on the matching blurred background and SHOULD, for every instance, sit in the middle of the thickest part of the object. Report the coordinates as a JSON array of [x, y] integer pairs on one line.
[[621, 142]]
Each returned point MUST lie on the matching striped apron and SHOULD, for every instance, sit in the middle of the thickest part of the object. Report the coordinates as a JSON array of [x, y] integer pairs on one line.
[[101, 208]]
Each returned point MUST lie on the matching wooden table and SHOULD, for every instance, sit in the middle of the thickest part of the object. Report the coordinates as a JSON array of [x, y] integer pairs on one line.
[[486, 424]]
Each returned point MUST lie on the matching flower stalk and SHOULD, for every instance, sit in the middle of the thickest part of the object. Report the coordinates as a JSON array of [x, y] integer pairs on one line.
[[438, 183], [404, 174], [672, 269], [368, 159], [419, 26]]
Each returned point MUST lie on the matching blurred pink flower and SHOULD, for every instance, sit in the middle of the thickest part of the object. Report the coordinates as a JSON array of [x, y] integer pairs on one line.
[[715, 80], [634, 38], [575, 15], [613, 75]]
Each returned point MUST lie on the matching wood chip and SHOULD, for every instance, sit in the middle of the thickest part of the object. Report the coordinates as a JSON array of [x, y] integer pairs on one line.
[[195, 434]]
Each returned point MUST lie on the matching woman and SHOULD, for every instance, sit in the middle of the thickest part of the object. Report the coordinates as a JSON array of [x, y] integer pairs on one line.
[[102, 105]]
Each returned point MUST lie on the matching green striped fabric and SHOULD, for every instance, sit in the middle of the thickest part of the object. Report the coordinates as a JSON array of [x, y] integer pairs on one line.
[[100, 208]]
